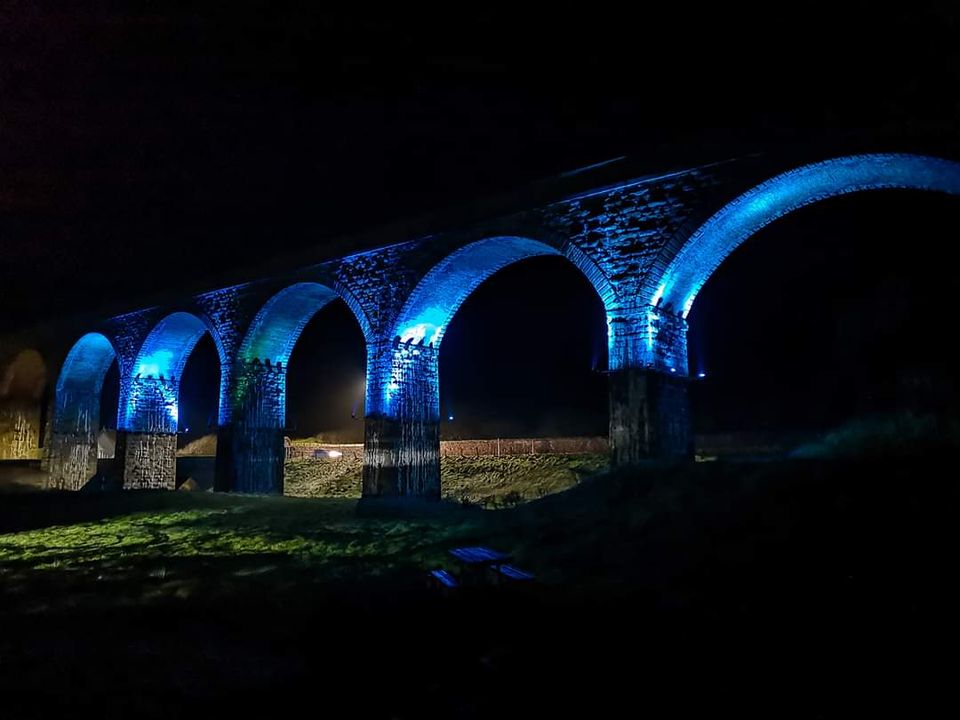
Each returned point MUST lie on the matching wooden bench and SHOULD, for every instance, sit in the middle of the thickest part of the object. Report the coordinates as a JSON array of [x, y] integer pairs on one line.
[[443, 579], [514, 573]]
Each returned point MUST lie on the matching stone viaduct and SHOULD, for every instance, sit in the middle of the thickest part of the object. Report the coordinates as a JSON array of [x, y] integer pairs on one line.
[[647, 244]]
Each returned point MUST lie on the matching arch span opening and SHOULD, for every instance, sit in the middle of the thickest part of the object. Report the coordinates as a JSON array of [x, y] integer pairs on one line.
[[199, 397], [404, 418], [326, 378], [110, 398], [524, 356], [723, 232], [254, 443], [849, 342]]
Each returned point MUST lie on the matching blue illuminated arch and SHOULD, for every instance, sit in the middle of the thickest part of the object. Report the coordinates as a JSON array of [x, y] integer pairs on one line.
[[708, 246], [274, 332], [277, 327], [160, 361], [437, 297], [80, 383], [165, 351]]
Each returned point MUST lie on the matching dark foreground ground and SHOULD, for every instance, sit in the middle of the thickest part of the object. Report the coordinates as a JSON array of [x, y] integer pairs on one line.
[[803, 589]]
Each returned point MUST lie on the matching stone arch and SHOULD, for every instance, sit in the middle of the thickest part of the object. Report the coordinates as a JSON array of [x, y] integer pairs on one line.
[[440, 293], [76, 415], [277, 326], [250, 447], [274, 332], [80, 383], [150, 386], [150, 397], [401, 449], [22, 386], [740, 218]]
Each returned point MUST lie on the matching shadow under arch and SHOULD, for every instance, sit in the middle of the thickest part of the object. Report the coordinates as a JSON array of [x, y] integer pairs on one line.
[[250, 449], [76, 418]]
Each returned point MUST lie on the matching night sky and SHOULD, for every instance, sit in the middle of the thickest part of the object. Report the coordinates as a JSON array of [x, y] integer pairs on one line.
[[151, 146]]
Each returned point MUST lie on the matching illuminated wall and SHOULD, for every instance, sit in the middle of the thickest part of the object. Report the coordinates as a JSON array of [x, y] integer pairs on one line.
[[649, 338], [72, 457], [707, 247], [22, 382], [402, 435]]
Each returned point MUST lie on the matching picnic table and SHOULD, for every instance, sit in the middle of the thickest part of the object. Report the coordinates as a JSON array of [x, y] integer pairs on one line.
[[480, 565]]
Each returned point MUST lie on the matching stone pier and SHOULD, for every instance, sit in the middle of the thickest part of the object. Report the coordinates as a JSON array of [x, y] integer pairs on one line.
[[401, 452], [649, 404], [146, 455], [250, 451]]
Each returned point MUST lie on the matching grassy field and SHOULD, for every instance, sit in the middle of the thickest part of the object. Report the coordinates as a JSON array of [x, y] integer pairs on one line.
[[487, 481], [709, 587]]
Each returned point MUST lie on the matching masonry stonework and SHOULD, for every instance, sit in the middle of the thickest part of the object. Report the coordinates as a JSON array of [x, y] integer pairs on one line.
[[19, 429], [645, 244], [23, 377], [250, 450], [402, 427], [71, 460], [147, 460], [146, 452], [623, 228]]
